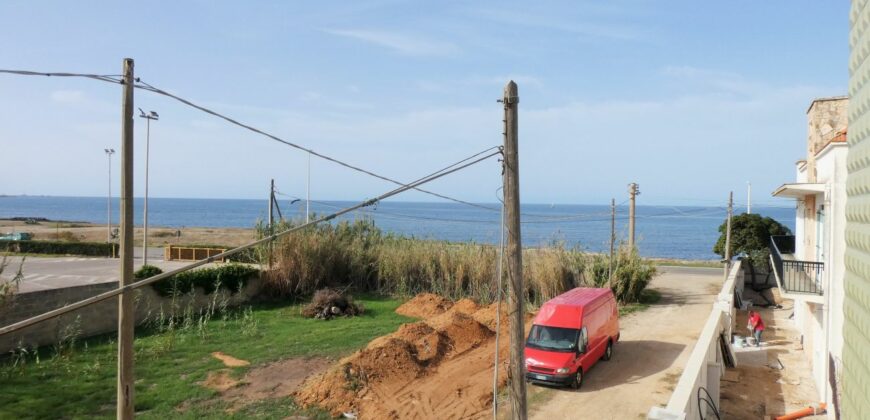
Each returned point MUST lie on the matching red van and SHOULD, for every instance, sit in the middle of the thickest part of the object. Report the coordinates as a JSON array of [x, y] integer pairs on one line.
[[569, 334]]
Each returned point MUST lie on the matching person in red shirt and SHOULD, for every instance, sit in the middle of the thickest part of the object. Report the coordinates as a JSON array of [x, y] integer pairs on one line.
[[756, 325]]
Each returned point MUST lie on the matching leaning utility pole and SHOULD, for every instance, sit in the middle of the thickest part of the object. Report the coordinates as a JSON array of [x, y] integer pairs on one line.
[[612, 240], [516, 299], [271, 218], [632, 193], [125, 300], [728, 233]]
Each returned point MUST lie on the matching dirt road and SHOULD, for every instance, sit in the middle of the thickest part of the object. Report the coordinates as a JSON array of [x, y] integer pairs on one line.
[[649, 358]]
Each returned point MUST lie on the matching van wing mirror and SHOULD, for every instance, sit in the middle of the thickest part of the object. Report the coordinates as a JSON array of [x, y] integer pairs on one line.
[[581, 341]]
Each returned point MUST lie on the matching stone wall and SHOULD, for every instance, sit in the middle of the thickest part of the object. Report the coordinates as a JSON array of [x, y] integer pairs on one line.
[[100, 317], [826, 118]]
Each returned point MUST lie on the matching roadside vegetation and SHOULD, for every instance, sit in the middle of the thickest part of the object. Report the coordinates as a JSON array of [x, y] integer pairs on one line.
[[76, 378], [360, 255], [230, 276], [59, 247], [8, 288]]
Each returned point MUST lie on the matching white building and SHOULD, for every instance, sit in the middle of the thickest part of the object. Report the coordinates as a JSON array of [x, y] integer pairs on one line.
[[810, 266]]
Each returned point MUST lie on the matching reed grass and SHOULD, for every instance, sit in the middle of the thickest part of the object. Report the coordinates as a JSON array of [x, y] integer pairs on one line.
[[360, 255]]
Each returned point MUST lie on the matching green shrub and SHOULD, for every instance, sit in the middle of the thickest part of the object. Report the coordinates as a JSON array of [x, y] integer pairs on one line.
[[631, 273], [96, 249], [147, 271], [228, 276]]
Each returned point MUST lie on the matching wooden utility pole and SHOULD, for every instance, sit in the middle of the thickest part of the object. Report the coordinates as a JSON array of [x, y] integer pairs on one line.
[[632, 193], [125, 299], [728, 233], [271, 218], [612, 240], [516, 299]]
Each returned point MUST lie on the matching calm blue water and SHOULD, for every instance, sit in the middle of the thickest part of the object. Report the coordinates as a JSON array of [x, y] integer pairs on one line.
[[662, 231]]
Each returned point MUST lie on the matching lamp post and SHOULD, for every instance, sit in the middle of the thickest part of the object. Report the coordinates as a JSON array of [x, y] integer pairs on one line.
[[109, 153], [151, 115]]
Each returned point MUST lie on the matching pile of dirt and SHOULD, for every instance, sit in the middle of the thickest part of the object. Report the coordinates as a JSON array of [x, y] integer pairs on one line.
[[440, 367], [424, 305]]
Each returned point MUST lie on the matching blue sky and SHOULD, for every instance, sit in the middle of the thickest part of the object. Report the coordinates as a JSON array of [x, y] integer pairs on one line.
[[689, 99]]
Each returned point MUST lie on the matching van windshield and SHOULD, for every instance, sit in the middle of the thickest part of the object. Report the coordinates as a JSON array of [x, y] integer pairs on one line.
[[553, 338]]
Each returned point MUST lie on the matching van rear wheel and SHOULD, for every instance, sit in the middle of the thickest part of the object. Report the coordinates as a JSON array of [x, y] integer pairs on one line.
[[608, 352], [578, 379]]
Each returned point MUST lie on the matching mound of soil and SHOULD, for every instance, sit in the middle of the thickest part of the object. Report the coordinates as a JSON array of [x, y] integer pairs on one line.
[[424, 305], [440, 367], [466, 306]]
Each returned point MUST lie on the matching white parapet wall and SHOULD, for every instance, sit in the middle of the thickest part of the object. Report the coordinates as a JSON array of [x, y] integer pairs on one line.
[[705, 367]]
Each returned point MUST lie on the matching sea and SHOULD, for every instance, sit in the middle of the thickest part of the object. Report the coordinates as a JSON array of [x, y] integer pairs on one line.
[[680, 232]]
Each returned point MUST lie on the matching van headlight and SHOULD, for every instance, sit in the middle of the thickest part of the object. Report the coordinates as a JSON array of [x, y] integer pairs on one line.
[[562, 370]]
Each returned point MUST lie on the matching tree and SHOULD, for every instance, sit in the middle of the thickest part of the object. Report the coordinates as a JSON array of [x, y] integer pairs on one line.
[[750, 233]]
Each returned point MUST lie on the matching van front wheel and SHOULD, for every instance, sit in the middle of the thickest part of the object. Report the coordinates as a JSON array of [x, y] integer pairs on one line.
[[578, 379], [608, 352]]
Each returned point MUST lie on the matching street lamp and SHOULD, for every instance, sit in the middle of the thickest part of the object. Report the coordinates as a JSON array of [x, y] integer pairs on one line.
[[109, 153], [151, 115]]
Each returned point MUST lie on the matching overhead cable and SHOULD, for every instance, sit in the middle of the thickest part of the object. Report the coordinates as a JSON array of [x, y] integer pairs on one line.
[[145, 86], [140, 84], [115, 292]]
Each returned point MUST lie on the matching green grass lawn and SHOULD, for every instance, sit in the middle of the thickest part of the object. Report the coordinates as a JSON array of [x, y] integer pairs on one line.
[[80, 383]]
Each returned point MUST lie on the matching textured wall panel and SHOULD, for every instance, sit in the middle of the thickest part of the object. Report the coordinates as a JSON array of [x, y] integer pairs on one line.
[[856, 307]]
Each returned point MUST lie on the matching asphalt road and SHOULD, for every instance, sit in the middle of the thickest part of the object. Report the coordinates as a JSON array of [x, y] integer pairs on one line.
[[41, 273]]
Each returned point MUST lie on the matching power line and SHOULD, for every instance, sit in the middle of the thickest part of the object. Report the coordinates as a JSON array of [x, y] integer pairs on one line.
[[111, 78], [145, 86], [140, 84], [129, 287]]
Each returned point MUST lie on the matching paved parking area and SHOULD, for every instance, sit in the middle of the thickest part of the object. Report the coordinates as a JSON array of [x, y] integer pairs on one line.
[[41, 273]]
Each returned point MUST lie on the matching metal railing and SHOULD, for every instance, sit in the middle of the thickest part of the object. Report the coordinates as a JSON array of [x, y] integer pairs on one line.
[[795, 276]]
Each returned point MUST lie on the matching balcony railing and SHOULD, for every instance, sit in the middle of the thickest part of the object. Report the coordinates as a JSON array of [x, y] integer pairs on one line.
[[795, 276]]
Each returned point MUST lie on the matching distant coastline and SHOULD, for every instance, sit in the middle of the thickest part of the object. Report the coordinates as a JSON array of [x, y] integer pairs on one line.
[[677, 232]]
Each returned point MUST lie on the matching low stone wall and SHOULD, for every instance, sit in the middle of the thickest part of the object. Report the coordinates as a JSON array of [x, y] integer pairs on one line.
[[100, 317]]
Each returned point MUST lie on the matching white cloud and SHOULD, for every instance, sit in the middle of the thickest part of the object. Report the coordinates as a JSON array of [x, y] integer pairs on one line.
[[403, 44]]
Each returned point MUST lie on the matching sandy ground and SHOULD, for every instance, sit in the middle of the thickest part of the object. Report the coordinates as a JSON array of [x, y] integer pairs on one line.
[[158, 236], [649, 358]]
